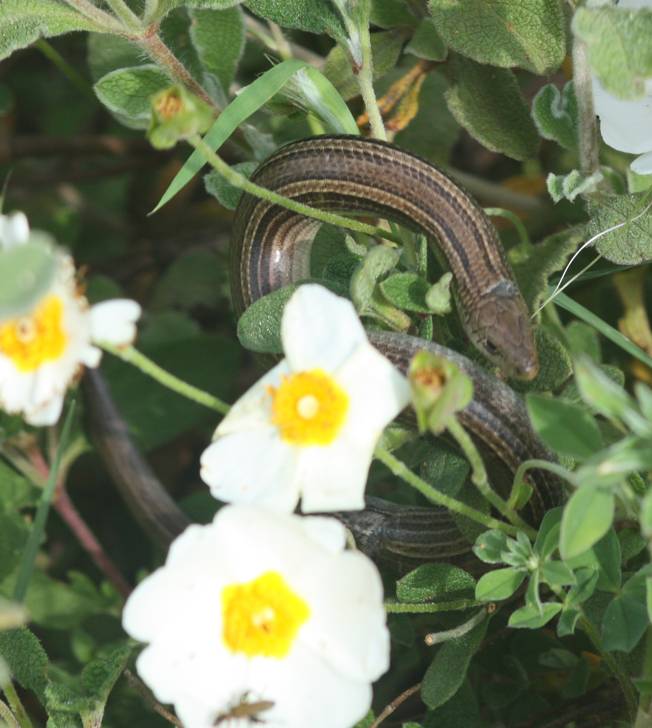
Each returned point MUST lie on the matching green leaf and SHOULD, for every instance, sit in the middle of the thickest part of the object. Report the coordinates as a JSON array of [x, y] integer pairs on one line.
[[426, 42], [26, 274], [106, 53], [378, 262], [406, 291], [218, 37], [248, 101], [584, 340], [587, 581], [385, 50], [13, 536], [498, 584], [22, 22], [391, 14], [432, 582], [438, 296], [448, 669], [582, 313], [163, 7], [26, 659], [566, 428], [311, 91], [490, 545], [461, 710], [529, 33], [568, 621], [555, 114], [626, 617], [608, 555], [648, 597], [602, 393], [547, 538], [529, 617], [259, 327], [314, 16], [445, 468], [618, 42], [226, 194], [571, 185], [556, 573], [127, 93], [533, 265], [631, 242], [488, 103], [587, 517]]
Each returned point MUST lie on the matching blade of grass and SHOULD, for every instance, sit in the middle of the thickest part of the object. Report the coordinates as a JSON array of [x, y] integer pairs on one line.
[[31, 547], [246, 103], [603, 327]]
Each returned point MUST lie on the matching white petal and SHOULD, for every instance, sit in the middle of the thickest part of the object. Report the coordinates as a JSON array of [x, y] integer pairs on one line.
[[91, 356], [319, 329], [642, 164], [624, 125], [115, 321], [328, 532], [251, 467], [14, 230], [47, 414], [253, 409]]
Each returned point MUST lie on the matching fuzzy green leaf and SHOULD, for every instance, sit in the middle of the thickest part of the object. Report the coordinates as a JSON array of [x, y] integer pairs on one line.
[[490, 545], [488, 103], [218, 37], [571, 185], [378, 262], [385, 50], [629, 244], [619, 47], [127, 93], [391, 14], [587, 517], [530, 617], [314, 16], [259, 327], [433, 582], [106, 53], [555, 114], [26, 659], [426, 42], [24, 21], [498, 584], [565, 427], [163, 7], [447, 671], [407, 291], [226, 194], [528, 33]]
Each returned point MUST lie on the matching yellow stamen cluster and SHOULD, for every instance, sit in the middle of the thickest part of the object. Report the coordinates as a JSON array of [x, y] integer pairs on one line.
[[309, 408], [39, 337], [262, 617]]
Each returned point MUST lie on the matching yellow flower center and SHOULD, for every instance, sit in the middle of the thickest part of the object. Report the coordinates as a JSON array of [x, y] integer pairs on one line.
[[262, 617], [32, 340], [309, 408]]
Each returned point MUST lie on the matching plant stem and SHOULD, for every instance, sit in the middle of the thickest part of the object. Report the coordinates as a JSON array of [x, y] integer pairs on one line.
[[435, 638], [159, 52], [100, 17], [125, 14], [68, 70], [430, 607], [241, 182], [147, 696], [400, 470], [514, 219], [38, 527], [365, 78], [480, 479], [17, 708], [589, 150], [397, 702], [280, 41], [555, 468], [147, 366]]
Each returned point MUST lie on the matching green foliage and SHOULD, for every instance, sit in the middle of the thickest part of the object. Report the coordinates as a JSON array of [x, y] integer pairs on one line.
[[25, 658], [313, 16], [435, 582], [555, 114], [498, 584], [448, 669], [587, 517], [218, 37], [488, 103], [24, 21], [259, 327], [226, 194], [426, 42], [629, 244], [619, 48], [572, 185], [529, 34]]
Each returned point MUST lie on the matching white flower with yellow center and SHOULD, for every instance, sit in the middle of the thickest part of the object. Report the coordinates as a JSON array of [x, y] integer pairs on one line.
[[262, 615], [308, 428], [42, 350]]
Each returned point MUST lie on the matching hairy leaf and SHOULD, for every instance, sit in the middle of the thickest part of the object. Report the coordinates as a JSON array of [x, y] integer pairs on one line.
[[426, 42], [528, 33], [433, 582], [26, 659], [488, 103], [555, 114], [315, 16], [631, 242], [218, 37]]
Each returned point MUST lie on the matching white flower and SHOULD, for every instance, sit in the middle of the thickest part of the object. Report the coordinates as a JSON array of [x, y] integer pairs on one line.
[[627, 125], [266, 609], [308, 428], [42, 350]]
